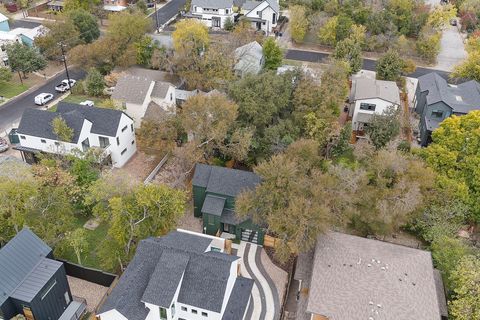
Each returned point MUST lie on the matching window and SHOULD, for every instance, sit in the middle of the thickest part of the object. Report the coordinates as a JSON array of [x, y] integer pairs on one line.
[[173, 310], [85, 144], [171, 94], [226, 11], [124, 128], [204, 314], [274, 18], [194, 311], [131, 127], [123, 151], [163, 313], [23, 137], [437, 114], [211, 219], [133, 141], [104, 142], [43, 141], [184, 308], [118, 141], [57, 143], [367, 106], [48, 288], [258, 13], [67, 297]]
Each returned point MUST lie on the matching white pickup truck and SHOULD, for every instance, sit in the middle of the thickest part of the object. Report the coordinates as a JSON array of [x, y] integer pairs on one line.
[[63, 86]]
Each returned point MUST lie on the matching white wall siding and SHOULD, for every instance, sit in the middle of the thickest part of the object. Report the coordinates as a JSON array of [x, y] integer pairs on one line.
[[125, 138], [380, 106], [112, 315]]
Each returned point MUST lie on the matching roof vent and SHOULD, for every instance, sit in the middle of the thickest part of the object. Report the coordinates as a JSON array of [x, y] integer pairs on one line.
[[458, 98]]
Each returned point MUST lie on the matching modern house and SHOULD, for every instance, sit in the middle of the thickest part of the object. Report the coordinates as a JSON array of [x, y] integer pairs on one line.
[[6, 38], [111, 131], [369, 97], [249, 59], [146, 93], [183, 276], [354, 278], [436, 100], [4, 25], [115, 5], [214, 192], [213, 13], [32, 283], [262, 14]]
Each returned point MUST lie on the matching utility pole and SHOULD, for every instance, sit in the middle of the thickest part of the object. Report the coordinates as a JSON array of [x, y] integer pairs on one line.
[[64, 58], [156, 13]]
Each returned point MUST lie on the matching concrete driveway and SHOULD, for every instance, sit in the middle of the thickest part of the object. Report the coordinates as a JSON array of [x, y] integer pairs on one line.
[[167, 12], [452, 49]]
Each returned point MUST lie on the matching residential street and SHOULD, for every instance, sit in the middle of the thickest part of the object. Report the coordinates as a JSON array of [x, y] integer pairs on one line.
[[368, 64], [11, 112], [168, 11], [452, 49]]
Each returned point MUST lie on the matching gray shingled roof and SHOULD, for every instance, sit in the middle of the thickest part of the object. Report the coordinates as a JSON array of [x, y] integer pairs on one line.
[[366, 88], [213, 205], [155, 113], [167, 275], [132, 89], [461, 98], [250, 5], [224, 181], [17, 259], [38, 123], [160, 89], [238, 302], [213, 4], [355, 278], [204, 280]]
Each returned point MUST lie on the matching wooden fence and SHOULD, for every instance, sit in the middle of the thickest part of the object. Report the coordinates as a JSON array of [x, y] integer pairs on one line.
[[270, 241]]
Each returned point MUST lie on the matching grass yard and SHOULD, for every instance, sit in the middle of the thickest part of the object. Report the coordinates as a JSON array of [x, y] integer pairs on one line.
[[94, 239], [77, 98], [10, 89]]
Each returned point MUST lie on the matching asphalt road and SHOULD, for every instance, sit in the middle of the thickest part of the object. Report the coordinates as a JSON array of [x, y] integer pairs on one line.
[[23, 24], [368, 64], [168, 11], [12, 111]]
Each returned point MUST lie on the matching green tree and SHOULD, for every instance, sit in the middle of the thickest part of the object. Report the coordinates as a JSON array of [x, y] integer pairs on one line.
[[5, 75], [298, 22], [469, 68], [442, 15], [94, 83], [145, 49], [228, 24], [383, 127], [62, 130], [61, 32], [190, 37], [273, 54], [77, 239], [141, 6], [465, 304], [328, 33], [349, 51], [447, 253], [428, 44], [453, 155], [86, 25], [87, 5], [391, 66], [24, 59]]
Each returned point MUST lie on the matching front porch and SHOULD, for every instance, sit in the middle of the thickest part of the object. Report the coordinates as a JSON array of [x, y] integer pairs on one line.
[[75, 309]]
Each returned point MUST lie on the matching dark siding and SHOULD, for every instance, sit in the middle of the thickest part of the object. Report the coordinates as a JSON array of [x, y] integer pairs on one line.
[[211, 224], [248, 224], [53, 305], [198, 198], [421, 100], [8, 309]]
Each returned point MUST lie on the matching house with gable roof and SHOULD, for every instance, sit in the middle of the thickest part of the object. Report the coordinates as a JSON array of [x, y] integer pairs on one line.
[[263, 15], [106, 129], [32, 283], [214, 192], [354, 278], [212, 13], [435, 100], [183, 276]]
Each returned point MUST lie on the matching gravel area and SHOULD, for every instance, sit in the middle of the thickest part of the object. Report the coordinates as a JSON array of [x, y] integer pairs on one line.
[[279, 276], [171, 174], [90, 291], [189, 222], [140, 165]]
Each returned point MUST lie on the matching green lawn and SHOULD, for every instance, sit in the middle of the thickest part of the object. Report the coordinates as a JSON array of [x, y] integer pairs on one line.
[[10, 90], [94, 238], [77, 98]]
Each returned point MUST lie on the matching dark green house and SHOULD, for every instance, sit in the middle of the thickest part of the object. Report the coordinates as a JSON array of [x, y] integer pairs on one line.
[[214, 192]]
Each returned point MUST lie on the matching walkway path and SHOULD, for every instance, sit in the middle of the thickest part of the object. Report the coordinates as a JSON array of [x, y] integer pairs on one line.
[[452, 49], [265, 303]]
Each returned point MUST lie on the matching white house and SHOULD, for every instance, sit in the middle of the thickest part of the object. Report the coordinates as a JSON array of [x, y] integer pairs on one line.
[[6, 38], [107, 129], [262, 14], [371, 96], [213, 13], [249, 59], [183, 275], [145, 93]]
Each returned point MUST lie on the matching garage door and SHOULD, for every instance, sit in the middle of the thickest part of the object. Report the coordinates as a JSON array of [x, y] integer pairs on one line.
[[249, 235]]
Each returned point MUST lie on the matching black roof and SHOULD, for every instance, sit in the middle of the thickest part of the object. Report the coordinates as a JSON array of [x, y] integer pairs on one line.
[[213, 205], [224, 181], [38, 123], [18, 259], [239, 298], [155, 271]]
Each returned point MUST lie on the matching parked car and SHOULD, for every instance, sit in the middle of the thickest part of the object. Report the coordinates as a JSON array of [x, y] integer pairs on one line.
[[63, 86], [3, 145], [89, 103], [453, 22], [11, 7], [43, 98]]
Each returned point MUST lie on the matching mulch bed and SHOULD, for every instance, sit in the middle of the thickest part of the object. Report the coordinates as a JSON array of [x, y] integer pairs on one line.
[[287, 266]]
